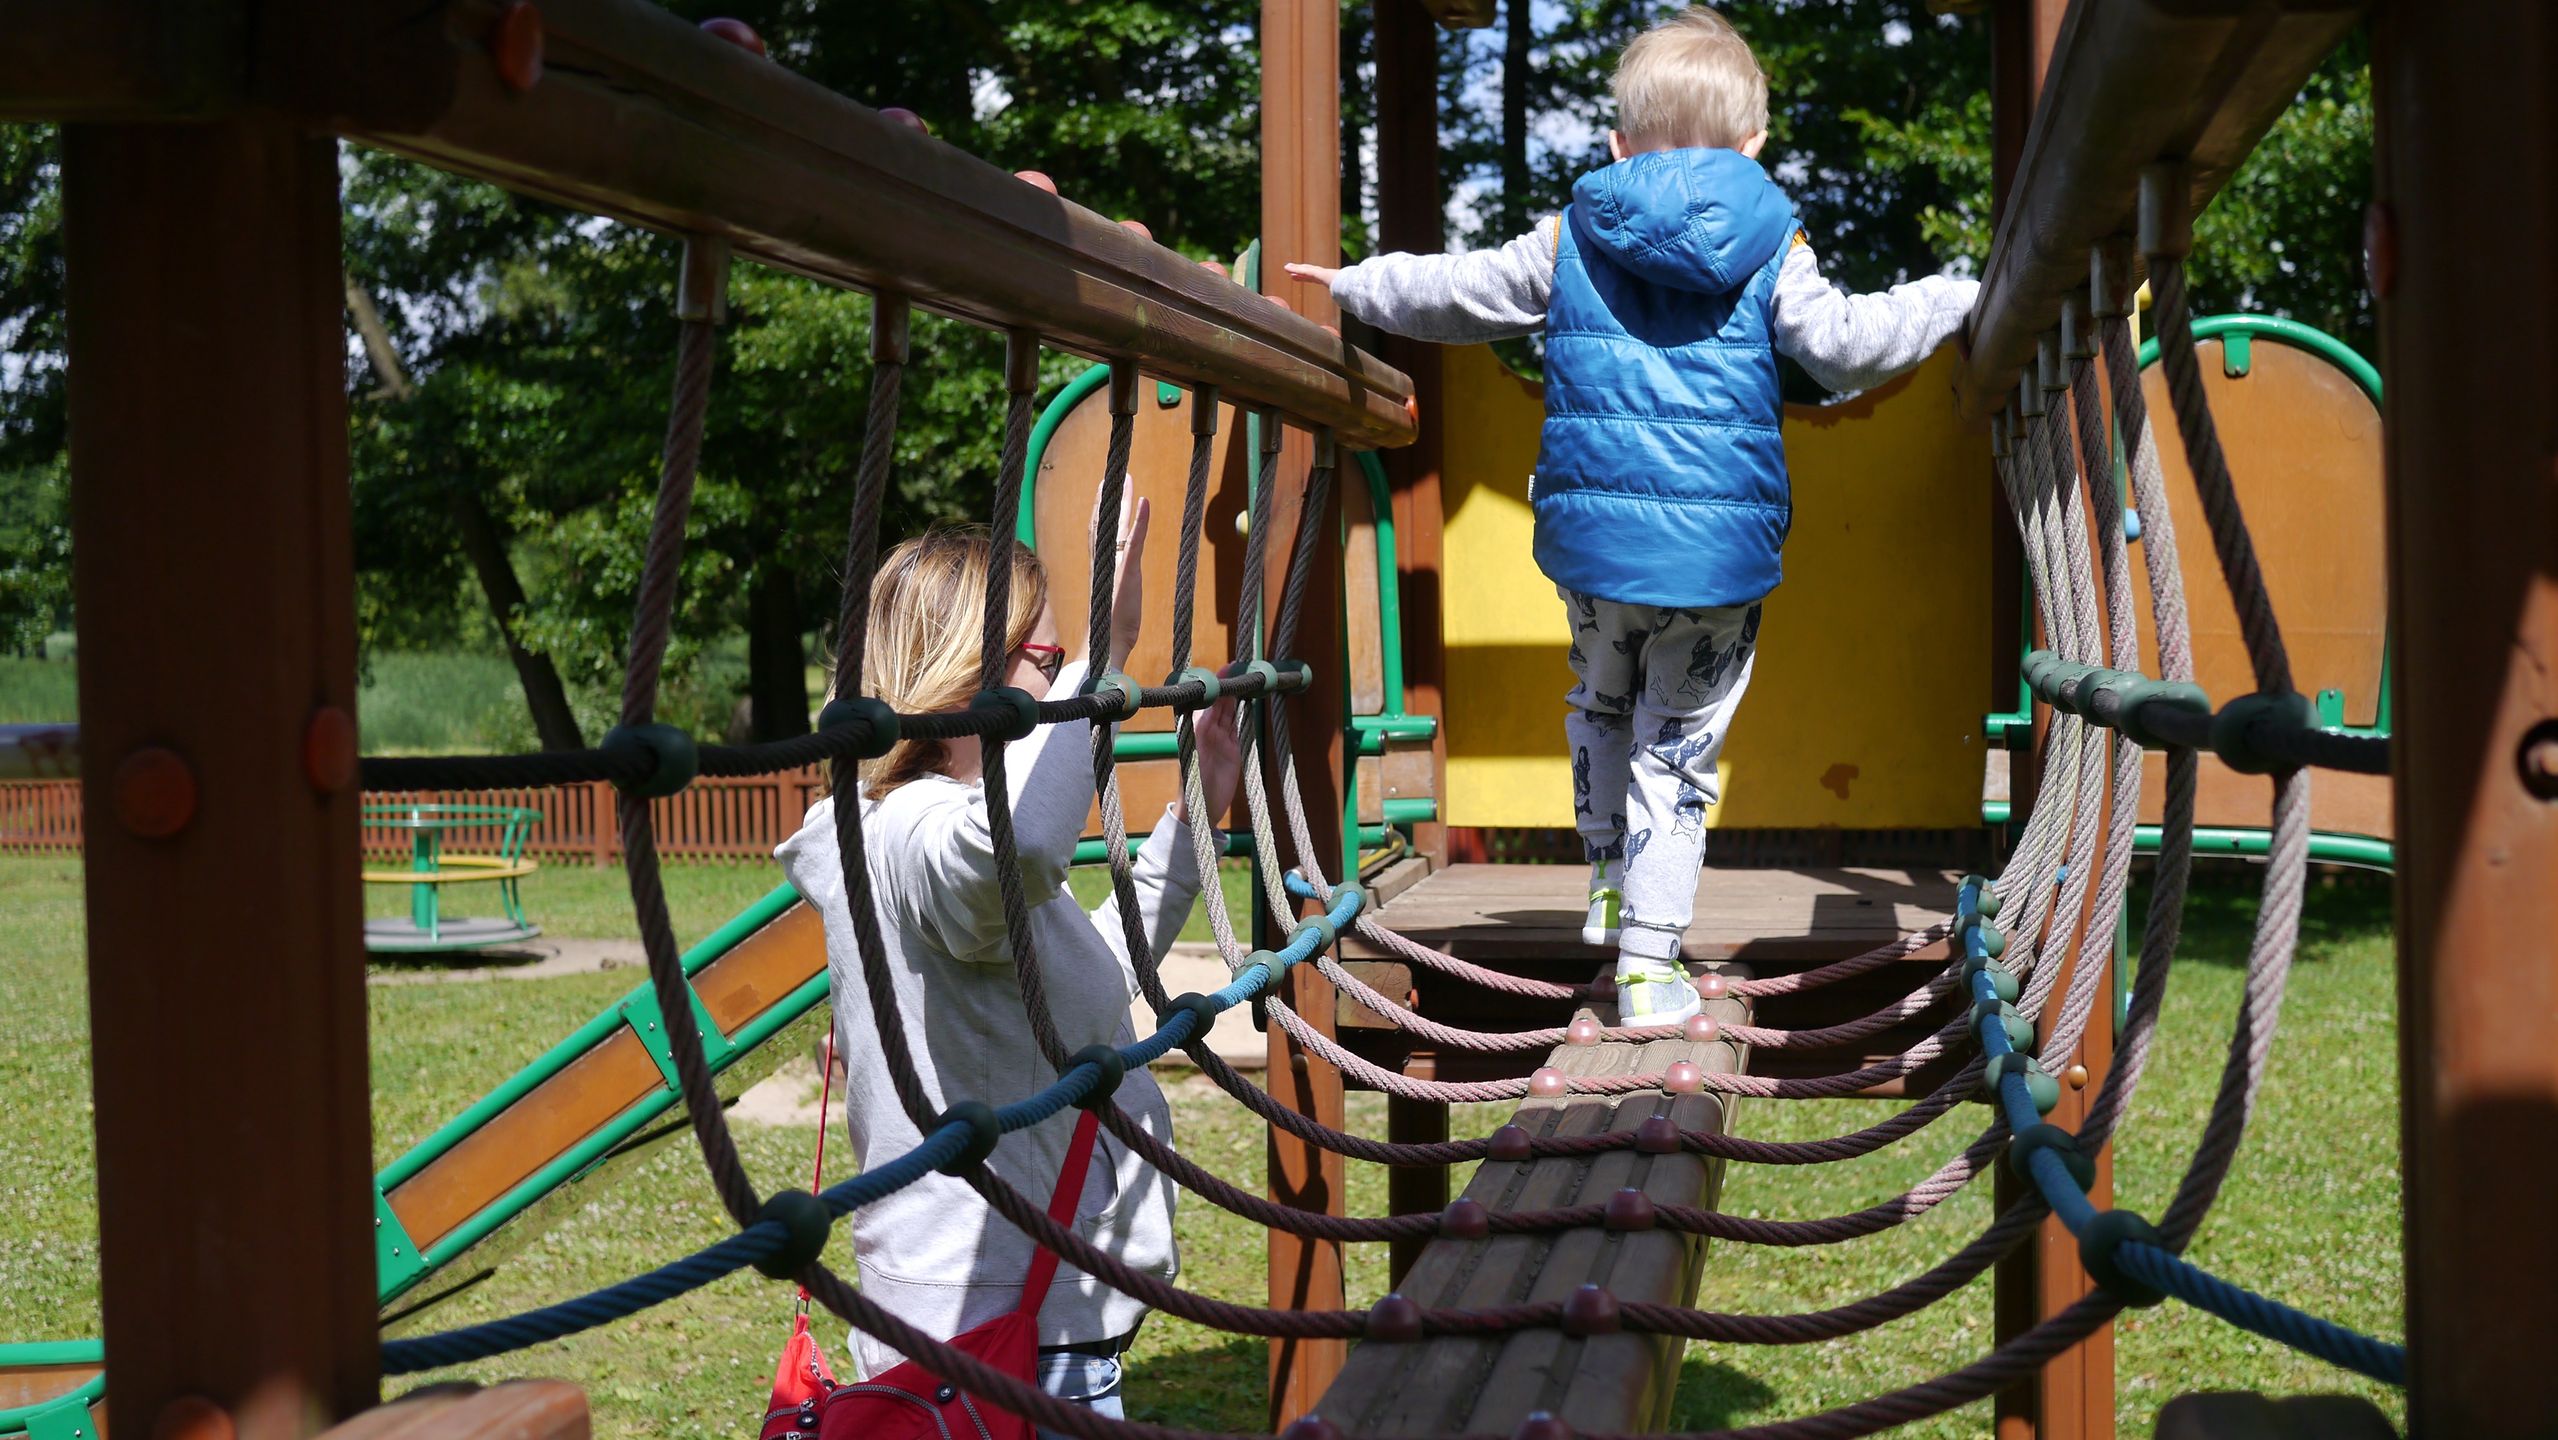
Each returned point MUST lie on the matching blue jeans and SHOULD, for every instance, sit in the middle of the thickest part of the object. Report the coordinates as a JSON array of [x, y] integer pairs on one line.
[[1086, 1380]]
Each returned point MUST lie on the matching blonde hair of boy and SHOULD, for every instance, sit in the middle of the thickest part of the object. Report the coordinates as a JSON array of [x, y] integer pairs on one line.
[[1690, 81], [927, 631]]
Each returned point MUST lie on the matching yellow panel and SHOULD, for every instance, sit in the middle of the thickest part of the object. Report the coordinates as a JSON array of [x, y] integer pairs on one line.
[[1865, 705]]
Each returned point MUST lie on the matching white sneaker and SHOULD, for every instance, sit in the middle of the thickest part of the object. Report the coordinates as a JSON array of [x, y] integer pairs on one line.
[[1656, 993], [1607, 907]]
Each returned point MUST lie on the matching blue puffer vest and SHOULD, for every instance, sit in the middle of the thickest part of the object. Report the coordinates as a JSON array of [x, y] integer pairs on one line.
[[1662, 475]]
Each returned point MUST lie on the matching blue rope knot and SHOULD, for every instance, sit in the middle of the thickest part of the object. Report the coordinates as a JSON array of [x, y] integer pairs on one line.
[[1108, 1063], [2100, 1240], [983, 1128], [805, 1222]]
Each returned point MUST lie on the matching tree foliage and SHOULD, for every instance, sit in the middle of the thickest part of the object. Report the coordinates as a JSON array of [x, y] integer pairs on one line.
[[535, 346]]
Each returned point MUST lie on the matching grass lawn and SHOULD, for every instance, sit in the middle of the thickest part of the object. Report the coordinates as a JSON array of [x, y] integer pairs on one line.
[[2310, 1213]]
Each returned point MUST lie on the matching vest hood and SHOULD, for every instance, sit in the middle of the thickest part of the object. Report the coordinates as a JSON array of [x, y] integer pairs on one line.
[[1696, 219]]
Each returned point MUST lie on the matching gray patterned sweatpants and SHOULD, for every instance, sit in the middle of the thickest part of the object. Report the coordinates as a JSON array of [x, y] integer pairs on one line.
[[1655, 694]]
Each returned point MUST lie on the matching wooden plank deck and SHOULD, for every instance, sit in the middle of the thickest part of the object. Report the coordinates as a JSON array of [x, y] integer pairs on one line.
[[1616, 1382], [1526, 920]]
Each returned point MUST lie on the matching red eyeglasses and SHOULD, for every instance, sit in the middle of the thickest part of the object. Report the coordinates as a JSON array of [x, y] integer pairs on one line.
[[1048, 658]]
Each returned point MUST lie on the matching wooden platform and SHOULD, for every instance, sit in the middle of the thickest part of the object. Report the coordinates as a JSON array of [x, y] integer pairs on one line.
[[1621, 1382], [1526, 920]]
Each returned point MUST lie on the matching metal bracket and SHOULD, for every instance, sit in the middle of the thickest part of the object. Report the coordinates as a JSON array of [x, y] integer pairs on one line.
[[640, 1012], [395, 1256]]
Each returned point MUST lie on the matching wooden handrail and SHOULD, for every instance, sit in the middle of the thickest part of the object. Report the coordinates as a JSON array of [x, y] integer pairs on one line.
[[640, 116], [2132, 82]]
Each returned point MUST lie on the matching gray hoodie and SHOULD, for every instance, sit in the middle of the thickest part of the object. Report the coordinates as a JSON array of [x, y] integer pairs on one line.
[[933, 1252]]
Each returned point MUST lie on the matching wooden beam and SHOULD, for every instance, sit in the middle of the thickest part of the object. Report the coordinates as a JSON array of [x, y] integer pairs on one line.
[[214, 577], [1610, 1384], [1301, 220], [2468, 197], [2132, 82], [111, 60], [639, 115], [1411, 218]]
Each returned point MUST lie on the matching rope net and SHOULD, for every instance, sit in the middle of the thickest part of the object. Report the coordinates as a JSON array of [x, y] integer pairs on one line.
[[2014, 938]]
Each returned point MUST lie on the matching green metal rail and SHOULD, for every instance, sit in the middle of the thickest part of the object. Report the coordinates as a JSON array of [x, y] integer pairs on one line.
[[2005, 729]]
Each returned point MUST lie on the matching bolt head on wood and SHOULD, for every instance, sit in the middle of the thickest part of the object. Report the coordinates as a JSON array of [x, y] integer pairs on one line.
[[1311, 1427], [1466, 1219], [1510, 1142], [2538, 760], [155, 793], [1395, 1320], [192, 1417], [515, 46], [2380, 249], [1035, 179], [1582, 1031], [912, 121], [1699, 1029], [1590, 1311], [1682, 1078], [735, 32], [1546, 1083], [1657, 1135], [1138, 226], [1541, 1426], [2076, 1075], [1631, 1209], [328, 750], [1713, 985]]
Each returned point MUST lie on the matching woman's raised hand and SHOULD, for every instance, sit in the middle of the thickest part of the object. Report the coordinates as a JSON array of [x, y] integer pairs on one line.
[[1128, 594]]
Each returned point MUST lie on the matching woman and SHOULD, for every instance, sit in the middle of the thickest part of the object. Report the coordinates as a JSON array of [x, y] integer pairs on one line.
[[933, 1252]]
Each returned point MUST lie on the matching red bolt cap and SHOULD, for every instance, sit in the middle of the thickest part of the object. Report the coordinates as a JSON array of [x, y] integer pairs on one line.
[[155, 793], [515, 46], [328, 750], [1509, 1143], [735, 32]]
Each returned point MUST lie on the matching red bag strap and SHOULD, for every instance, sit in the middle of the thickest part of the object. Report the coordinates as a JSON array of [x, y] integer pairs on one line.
[[1061, 1208]]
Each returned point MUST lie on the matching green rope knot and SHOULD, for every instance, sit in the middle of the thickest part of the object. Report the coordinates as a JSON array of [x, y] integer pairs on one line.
[[1199, 1006], [2097, 1244], [1210, 682], [1292, 675], [1355, 891], [1321, 927], [807, 1223], [667, 753], [1016, 711], [877, 718], [1112, 1065], [2003, 982], [2038, 1138], [2235, 728], [984, 1129], [1120, 685], [2138, 720], [1271, 966], [1269, 674], [2020, 1031], [2042, 1089]]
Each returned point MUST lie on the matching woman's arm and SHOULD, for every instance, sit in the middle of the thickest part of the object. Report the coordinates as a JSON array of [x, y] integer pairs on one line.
[[949, 851]]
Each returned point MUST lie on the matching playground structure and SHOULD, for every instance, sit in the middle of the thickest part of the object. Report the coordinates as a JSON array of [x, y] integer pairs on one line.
[[173, 790]]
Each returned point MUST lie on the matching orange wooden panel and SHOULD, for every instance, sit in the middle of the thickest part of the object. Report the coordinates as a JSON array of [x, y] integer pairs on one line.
[[2304, 446], [1159, 467], [35, 1384], [599, 1085]]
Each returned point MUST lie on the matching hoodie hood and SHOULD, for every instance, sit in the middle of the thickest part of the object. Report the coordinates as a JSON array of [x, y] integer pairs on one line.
[[1696, 219]]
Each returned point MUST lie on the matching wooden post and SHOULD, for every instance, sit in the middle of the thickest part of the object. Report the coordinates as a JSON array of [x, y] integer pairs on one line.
[[1415, 1189], [2468, 198], [1301, 220], [213, 573], [1409, 218]]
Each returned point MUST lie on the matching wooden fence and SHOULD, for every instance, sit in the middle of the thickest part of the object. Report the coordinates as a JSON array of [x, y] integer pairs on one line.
[[714, 817]]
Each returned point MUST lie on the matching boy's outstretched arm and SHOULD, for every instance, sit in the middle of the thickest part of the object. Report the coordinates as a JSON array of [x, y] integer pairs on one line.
[[1856, 342], [1451, 299]]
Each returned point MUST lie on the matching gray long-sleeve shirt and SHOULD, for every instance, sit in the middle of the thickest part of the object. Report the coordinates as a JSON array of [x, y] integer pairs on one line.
[[1846, 342], [933, 1252]]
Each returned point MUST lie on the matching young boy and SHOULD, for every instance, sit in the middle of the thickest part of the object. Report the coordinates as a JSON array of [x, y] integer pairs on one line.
[[1666, 291]]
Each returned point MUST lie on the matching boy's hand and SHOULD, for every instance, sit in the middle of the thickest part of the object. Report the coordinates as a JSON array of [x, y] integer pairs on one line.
[[1322, 275]]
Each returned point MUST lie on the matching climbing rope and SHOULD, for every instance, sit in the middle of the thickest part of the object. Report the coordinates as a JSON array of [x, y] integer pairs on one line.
[[2068, 872]]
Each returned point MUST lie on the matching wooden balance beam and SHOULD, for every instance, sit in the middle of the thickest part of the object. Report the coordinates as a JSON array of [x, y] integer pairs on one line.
[[1616, 1382]]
